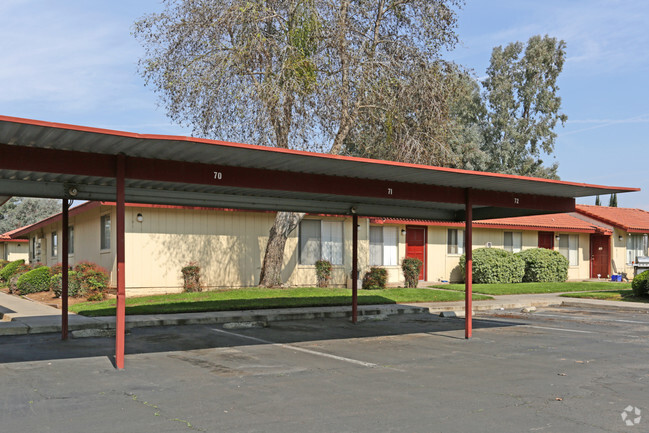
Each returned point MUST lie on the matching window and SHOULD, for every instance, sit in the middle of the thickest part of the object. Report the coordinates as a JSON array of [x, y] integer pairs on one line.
[[34, 248], [636, 245], [71, 240], [513, 242], [105, 232], [569, 248], [455, 241], [55, 244], [321, 240], [383, 246]]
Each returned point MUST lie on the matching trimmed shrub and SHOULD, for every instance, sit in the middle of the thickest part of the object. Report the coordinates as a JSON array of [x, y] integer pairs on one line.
[[10, 269], [544, 266], [411, 267], [495, 266], [3, 263], [73, 284], [375, 279], [640, 284], [36, 280], [323, 272], [192, 278]]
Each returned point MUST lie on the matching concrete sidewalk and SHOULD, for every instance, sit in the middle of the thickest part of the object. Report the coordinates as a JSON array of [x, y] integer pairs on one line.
[[20, 316]]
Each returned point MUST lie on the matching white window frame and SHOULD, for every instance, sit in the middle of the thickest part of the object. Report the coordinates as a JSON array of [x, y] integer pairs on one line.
[[104, 232], [455, 242], [329, 242], [54, 248], [636, 245], [570, 251], [70, 240], [513, 241], [384, 246]]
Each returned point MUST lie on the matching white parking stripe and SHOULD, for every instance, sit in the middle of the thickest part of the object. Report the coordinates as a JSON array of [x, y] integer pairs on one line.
[[599, 319], [559, 329], [298, 349]]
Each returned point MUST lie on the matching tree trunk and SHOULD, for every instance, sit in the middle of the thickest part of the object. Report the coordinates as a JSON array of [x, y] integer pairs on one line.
[[271, 269]]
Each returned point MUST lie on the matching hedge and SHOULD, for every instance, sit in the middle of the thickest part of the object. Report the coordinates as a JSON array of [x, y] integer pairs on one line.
[[10, 269], [36, 280], [495, 266], [544, 266], [640, 284]]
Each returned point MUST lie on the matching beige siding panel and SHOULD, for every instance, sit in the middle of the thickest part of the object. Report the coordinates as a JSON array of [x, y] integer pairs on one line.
[[228, 246], [618, 254]]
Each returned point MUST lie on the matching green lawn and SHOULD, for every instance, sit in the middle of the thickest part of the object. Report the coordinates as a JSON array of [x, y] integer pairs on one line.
[[608, 295], [260, 298], [527, 288]]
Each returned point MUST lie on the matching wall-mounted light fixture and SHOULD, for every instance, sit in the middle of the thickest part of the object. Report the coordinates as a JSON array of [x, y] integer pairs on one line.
[[403, 232], [73, 191], [557, 237], [352, 209], [139, 218], [619, 238]]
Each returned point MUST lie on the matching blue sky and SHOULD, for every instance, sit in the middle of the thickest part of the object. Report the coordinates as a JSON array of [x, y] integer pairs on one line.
[[75, 61]]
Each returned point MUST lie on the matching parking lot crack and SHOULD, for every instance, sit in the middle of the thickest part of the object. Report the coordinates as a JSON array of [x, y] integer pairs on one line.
[[157, 411]]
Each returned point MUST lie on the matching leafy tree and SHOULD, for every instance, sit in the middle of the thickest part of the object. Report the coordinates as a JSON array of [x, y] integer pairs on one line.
[[613, 200], [523, 106], [297, 74], [20, 211]]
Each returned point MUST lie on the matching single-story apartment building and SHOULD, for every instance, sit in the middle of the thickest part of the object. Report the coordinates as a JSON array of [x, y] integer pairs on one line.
[[229, 244], [12, 247], [629, 227]]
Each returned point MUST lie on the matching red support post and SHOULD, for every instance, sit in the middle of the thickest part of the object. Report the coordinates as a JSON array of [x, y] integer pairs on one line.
[[354, 268], [121, 277], [65, 247], [468, 246]]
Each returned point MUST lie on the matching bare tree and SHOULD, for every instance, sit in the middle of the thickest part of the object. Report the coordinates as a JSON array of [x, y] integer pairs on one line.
[[292, 73]]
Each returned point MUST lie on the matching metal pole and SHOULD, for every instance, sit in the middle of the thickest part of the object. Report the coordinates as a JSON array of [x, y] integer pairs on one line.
[[65, 247], [121, 278], [354, 268], [468, 244]]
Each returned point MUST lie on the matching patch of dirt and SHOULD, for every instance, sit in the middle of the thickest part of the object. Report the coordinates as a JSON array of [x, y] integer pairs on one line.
[[48, 298]]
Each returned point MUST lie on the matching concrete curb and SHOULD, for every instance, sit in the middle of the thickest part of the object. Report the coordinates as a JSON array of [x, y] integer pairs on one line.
[[81, 326]]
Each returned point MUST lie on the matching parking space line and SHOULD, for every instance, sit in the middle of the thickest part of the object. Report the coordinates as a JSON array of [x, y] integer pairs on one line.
[[559, 329], [600, 319], [298, 349]]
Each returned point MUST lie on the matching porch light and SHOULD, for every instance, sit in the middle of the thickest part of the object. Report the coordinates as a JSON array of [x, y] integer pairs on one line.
[[557, 237], [139, 218], [403, 232], [619, 238]]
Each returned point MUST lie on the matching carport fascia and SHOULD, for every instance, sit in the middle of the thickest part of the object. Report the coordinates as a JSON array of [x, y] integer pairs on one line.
[[44, 159]]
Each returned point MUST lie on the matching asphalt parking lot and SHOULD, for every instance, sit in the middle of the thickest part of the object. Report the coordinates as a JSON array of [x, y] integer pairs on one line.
[[555, 370]]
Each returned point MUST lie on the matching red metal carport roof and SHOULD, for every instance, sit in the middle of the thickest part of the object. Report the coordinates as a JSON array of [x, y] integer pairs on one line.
[[47, 159]]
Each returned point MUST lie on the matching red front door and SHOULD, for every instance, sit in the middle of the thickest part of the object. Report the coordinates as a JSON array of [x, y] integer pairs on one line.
[[546, 240], [416, 246], [600, 257]]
